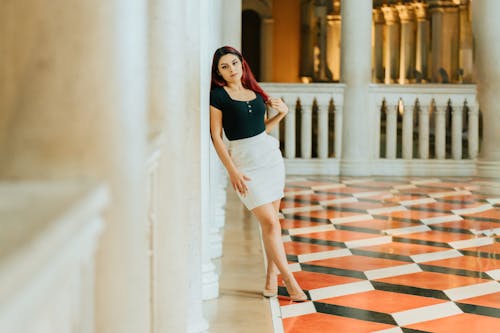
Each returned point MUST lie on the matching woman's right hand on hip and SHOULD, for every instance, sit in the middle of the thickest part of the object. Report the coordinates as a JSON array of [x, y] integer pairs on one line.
[[238, 180]]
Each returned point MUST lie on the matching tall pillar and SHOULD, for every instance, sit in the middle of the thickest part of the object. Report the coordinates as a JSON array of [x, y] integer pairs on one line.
[[321, 70], [333, 41], [307, 31], [378, 46], [73, 104], [407, 44], [445, 39], [485, 27], [465, 47], [266, 49], [422, 42], [356, 74], [231, 23], [391, 46]]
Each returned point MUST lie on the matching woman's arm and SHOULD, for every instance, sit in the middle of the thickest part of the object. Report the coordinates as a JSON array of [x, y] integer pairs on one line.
[[280, 106], [236, 177]]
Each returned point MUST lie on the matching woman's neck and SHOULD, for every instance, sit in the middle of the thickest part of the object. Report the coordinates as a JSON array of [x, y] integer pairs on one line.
[[235, 86]]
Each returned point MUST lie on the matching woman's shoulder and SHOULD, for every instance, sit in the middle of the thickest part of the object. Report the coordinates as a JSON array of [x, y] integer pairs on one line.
[[217, 97], [217, 91]]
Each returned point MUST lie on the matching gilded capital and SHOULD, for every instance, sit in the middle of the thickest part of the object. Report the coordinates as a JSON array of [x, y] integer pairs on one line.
[[406, 13], [390, 14]]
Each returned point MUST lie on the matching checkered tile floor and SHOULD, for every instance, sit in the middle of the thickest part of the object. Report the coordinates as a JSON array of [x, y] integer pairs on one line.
[[392, 255]]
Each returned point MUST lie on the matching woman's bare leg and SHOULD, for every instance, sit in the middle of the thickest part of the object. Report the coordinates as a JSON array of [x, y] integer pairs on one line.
[[272, 270], [271, 235]]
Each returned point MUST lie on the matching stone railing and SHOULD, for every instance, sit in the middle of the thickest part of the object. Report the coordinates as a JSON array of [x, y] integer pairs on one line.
[[311, 133], [49, 235], [414, 128], [422, 126]]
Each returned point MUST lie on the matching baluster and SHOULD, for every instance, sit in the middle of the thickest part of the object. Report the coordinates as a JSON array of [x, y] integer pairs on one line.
[[440, 133], [407, 132], [290, 131], [423, 132], [338, 129], [323, 104], [391, 131], [378, 132], [473, 131], [306, 128], [456, 133], [276, 130]]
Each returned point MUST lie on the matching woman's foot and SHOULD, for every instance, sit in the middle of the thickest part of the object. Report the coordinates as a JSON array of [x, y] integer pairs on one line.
[[296, 293], [271, 288]]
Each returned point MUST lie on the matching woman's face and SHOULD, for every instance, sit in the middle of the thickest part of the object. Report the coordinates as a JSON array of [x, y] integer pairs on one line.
[[230, 68]]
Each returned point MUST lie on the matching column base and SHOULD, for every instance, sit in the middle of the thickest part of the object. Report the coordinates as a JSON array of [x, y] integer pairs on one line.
[[209, 282], [215, 241], [488, 168], [355, 168]]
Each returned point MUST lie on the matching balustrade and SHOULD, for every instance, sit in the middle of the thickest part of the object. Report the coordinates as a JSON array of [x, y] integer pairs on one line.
[[420, 123]]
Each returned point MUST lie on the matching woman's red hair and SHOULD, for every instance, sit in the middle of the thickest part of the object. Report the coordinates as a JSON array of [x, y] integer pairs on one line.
[[247, 79]]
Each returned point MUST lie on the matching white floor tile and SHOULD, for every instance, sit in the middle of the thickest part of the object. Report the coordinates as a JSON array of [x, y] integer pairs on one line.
[[369, 241], [441, 219], [407, 230], [425, 257], [479, 241], [475, 290], [392, 271], [297, 309], [426, 313], [340, 290]]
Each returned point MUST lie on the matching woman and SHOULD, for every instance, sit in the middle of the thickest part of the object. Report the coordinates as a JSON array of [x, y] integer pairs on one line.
[[253, 161]]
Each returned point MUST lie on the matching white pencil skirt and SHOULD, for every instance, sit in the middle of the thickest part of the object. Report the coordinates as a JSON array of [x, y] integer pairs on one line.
[[259, 157]]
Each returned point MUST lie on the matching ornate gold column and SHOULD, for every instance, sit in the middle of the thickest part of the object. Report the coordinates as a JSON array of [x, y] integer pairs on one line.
[[445, 39], [466, 47], [391, 44], [422, 42], [266, 49], [378, 46], [407, 47], [333, 41]]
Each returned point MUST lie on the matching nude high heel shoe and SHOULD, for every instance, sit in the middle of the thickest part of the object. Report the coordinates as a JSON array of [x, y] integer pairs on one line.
[[271, 292], [296, 297]]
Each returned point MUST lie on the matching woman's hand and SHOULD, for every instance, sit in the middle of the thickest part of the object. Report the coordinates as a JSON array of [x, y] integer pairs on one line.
[[238, 180], [278, 105]]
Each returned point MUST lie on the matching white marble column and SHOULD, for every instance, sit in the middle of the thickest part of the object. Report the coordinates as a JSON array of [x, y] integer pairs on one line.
[[73, 104], [485, 28], [422, 41], [210, 233], [356, 74], [266, 49], [231, 23], [391, 44], [407, 43]]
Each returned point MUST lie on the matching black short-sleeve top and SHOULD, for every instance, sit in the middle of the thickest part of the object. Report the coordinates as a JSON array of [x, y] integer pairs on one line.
[[240, 119]]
